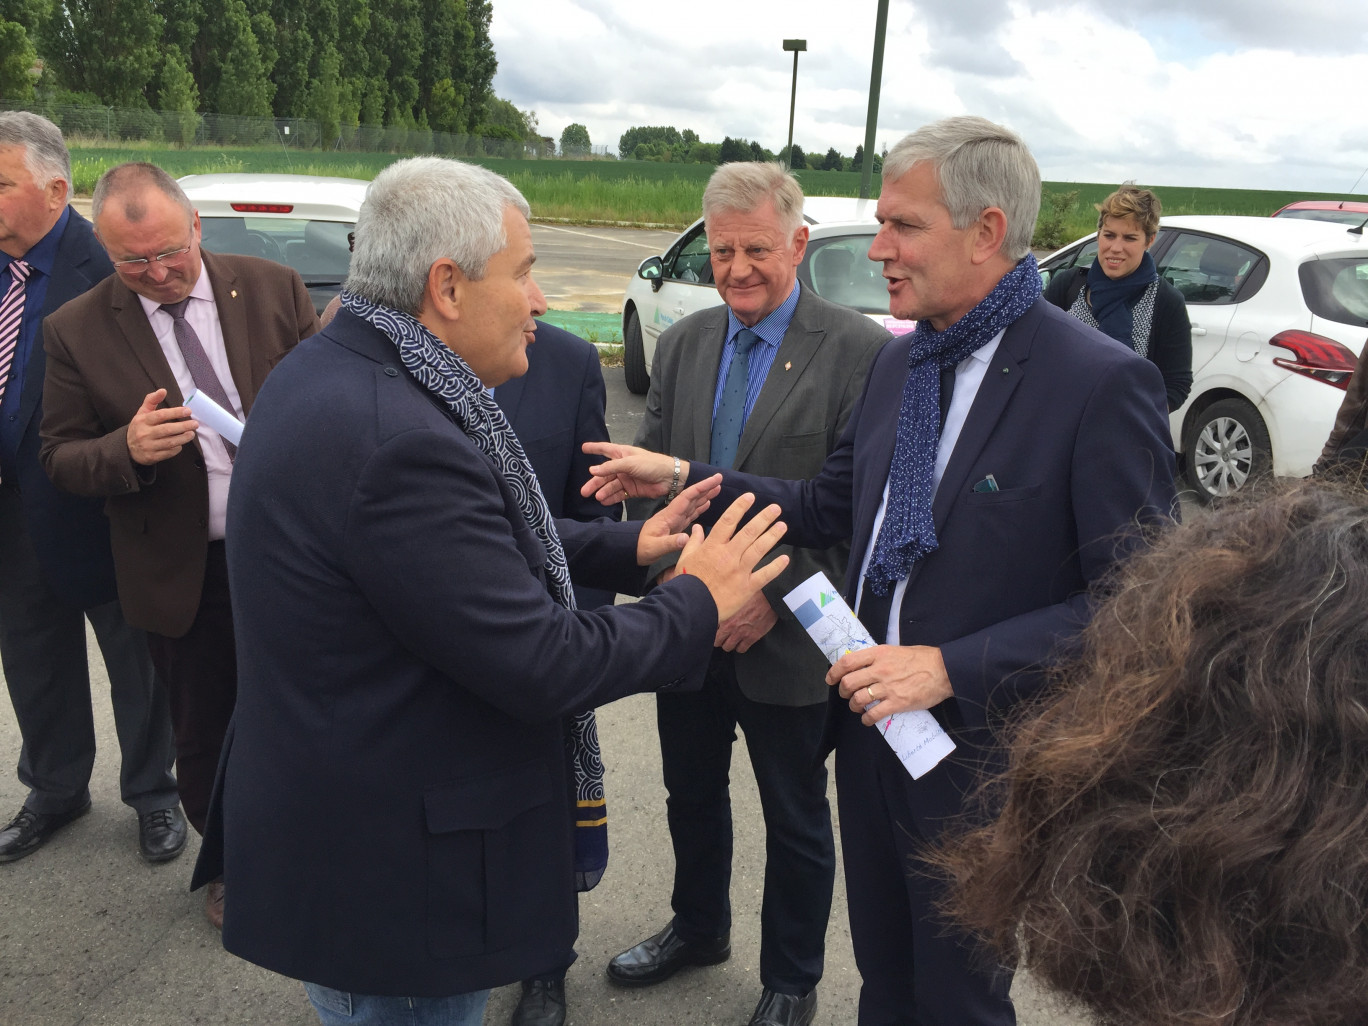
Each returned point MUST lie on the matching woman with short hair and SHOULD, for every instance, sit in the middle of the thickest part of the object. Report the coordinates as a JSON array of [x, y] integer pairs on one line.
[[1122, 295]]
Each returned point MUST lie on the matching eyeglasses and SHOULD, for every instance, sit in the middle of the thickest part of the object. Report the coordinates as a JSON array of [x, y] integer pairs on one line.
[[140, 265]]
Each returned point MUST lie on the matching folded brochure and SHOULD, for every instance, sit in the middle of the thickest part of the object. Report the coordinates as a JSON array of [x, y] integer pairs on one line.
[[917, 739]]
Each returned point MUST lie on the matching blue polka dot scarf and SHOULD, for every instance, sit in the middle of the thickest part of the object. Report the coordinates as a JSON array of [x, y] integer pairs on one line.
[[908, 532], [474, 410]]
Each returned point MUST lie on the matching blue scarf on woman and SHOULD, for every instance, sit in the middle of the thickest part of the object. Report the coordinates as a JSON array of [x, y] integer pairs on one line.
[[1113, 299], [449, 378], [908, 532]]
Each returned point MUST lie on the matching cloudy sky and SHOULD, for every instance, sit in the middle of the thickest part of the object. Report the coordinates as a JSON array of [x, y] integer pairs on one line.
[[1234, 93]]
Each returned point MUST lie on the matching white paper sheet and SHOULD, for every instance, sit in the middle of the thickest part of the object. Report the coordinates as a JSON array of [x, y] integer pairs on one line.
[[212, 415], [916, 737]]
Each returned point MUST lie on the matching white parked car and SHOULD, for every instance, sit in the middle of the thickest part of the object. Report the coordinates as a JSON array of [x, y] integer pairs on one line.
[[1279, 311], [836, 266], [304, 221]]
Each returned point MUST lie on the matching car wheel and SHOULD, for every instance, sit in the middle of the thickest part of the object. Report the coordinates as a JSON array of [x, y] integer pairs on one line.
[[1226, 446], [634, 356]]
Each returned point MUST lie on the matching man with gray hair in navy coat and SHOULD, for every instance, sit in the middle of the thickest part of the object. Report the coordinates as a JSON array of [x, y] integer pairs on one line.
[[391, 806]]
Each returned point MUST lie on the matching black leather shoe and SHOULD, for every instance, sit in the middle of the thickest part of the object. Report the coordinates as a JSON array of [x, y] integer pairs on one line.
[[660, 957], [777, 1009], [30, 830], [161, 834], [542, 1003]]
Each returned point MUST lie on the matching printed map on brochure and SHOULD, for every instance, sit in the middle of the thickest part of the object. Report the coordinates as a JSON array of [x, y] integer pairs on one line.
[[915, 736]]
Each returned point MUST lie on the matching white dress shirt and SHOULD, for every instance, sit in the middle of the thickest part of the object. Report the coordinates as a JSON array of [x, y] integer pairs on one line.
[[969, 374], [201, 313]]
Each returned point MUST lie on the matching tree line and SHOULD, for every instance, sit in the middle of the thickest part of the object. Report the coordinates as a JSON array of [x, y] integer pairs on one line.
[[668, 144], [420, 64]]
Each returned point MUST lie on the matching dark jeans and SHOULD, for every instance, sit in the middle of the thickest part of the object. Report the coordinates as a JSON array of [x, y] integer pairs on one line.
[[785, 744], [200, 670], [43, 650]]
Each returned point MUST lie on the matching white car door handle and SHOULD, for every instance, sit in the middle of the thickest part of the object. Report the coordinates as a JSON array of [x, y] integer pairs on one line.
[[1197, 329]]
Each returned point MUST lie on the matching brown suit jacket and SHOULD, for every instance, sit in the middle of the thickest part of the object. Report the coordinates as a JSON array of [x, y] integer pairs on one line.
[[102, 360]]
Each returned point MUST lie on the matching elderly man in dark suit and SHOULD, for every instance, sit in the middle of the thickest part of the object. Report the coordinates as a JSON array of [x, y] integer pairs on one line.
[[995, 468], [391, 810], [55, 561], [765, 384], [557, 406], [121, 361]]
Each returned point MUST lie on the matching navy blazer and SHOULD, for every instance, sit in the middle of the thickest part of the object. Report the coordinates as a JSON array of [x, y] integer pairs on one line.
[[557, 405], [389, 815], [70, 534], [1074, 429]]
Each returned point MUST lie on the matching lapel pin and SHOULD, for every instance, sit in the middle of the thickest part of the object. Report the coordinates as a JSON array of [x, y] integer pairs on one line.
[[233, 293], [1005, 370], [788, 365]]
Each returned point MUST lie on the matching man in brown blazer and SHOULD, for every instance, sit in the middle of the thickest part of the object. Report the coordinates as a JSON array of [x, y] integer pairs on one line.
[[121, 361]]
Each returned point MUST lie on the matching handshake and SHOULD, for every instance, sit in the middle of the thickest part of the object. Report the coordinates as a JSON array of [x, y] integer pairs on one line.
[[724, 559]]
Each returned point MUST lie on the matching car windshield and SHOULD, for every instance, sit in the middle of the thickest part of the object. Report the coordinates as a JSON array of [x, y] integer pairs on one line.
[[1352, 217], [839, 269], [1337, 289], [318, 250]]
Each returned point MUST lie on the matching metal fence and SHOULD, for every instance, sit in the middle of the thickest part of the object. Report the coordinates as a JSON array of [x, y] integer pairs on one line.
[[186, 128]]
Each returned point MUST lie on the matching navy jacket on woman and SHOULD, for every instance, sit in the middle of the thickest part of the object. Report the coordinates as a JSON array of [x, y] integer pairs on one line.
[[390, 809]]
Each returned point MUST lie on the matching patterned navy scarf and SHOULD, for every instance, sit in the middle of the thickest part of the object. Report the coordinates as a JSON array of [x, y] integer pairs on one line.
[[908, 532], [475, 412], [1113, 300]]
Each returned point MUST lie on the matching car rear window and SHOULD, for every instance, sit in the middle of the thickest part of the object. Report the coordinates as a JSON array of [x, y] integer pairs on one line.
[[318, 250], [1334, 216], [1337, 289]]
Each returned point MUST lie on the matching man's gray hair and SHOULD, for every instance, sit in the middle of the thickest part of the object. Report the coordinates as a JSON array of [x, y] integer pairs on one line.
[[418, 211], [745, 185], [126, 183], [45, 152], [979, 165]]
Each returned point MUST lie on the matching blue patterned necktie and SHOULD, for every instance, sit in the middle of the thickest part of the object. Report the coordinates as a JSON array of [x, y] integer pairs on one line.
[[731, 410]]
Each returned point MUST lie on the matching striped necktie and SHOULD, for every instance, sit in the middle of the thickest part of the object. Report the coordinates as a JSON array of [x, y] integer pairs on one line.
[[11, 319]]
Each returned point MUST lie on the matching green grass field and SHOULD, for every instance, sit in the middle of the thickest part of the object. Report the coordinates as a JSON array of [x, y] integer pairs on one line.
[[640, 192]]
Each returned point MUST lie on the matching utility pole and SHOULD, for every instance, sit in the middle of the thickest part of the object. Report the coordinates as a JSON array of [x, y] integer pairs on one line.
[[796, 45], [875, 81]]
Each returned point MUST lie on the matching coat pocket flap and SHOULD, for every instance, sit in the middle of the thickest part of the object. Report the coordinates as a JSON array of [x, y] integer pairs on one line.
[[487, 802]]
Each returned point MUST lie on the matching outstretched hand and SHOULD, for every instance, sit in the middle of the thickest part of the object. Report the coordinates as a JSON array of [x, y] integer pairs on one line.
[[629, 473], [726, 558], [662, 534]]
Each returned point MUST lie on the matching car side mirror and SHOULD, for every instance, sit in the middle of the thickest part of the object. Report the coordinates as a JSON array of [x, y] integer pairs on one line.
[[653, 270]]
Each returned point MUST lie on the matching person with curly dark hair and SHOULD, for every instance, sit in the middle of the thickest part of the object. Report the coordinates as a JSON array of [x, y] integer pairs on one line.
[[1184, 838]]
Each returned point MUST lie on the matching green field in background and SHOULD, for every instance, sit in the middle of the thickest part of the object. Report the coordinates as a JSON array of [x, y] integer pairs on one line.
[[627, 190]]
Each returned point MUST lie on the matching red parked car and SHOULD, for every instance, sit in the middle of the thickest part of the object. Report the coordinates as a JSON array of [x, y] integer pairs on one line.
[[1351, 212]]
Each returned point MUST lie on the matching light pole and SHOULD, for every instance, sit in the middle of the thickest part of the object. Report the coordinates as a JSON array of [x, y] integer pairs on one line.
[[795, 45], [875, 80]]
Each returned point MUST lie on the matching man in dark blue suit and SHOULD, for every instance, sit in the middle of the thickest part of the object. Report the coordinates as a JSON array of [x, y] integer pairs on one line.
[[391, 806], [557, 406], [995, 469], [55, 558]]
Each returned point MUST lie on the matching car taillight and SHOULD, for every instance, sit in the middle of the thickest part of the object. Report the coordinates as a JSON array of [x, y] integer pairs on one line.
[[1315, 356], [263, 208]]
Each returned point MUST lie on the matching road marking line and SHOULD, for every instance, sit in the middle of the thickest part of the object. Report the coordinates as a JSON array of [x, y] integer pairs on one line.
[[602, 238]]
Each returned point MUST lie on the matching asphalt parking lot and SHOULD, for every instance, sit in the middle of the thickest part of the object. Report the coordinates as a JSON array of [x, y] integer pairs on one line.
[[91, 935]]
